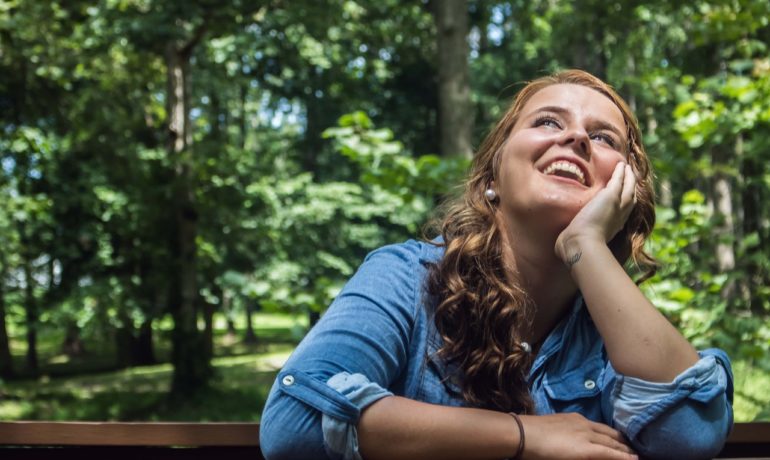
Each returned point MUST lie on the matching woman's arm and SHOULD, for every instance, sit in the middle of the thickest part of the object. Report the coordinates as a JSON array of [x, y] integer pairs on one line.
[[331, 399], [640, 341], [667, 400], [400, 428]]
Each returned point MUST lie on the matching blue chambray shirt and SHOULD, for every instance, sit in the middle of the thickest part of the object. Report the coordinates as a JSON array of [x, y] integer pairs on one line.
[[377, 339]]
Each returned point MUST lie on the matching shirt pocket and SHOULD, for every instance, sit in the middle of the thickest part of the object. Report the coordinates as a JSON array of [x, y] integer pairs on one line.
[[577, 390], [436, 385]]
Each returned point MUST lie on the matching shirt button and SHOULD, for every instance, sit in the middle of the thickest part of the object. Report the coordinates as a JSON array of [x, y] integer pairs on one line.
[[590, 384], [288, 380]]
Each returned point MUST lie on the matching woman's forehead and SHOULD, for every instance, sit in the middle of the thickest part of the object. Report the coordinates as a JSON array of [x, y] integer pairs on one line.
[[577, 100]]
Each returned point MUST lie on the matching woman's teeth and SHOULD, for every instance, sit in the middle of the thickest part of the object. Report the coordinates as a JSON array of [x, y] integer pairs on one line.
[[565, 169]]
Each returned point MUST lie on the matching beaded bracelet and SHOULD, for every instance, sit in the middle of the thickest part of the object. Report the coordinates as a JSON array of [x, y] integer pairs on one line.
[[521, 437]]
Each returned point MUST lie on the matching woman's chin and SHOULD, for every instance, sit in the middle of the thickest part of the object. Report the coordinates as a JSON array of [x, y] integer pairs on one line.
[[564, 205]]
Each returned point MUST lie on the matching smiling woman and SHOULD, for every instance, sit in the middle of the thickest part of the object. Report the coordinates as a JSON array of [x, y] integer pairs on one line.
[[516, 333]]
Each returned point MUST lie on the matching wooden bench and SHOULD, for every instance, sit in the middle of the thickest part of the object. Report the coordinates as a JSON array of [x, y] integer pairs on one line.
[[223, 441]]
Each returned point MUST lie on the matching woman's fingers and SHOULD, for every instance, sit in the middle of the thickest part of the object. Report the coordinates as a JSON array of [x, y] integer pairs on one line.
[[609, 437], [608, 431], [616, 181], [567, 436], [605, 452], [628, 195], [612, 443]]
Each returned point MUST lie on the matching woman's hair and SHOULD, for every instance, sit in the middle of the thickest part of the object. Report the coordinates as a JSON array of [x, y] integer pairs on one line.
[[480, 312]]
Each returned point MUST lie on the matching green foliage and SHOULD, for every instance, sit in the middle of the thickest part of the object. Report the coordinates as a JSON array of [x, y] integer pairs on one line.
[[312, 127], [689, 290], [314, 234], [383, 162]]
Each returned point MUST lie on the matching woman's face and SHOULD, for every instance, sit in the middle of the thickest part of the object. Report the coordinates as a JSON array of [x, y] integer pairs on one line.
[[560, 153]]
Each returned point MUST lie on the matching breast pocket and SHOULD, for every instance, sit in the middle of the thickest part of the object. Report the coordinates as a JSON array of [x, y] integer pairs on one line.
[[437, 385], [578, 390]]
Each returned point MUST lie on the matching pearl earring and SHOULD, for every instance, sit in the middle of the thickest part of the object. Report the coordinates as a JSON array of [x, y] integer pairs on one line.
[[490, 194]]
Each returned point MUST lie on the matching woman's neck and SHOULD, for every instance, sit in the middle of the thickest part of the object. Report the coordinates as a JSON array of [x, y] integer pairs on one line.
[[530, 259]]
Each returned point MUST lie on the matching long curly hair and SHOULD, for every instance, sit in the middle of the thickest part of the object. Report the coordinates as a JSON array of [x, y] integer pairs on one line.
[[480, 312]]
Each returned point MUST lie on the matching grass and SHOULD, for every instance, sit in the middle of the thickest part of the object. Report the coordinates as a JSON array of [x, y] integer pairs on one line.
[[75, 390], [244, 375]]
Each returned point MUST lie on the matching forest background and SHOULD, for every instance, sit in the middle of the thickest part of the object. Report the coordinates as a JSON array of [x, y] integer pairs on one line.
[[186, 185]]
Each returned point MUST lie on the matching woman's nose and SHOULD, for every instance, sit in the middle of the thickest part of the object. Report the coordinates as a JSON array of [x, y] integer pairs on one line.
[[578, 139]]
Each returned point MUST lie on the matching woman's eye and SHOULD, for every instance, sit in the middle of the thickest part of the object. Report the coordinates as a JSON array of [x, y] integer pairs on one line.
[[547, 121], [606, 138]]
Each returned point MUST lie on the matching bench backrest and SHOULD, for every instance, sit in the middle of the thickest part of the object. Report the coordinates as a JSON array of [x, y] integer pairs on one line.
[[145, 441]]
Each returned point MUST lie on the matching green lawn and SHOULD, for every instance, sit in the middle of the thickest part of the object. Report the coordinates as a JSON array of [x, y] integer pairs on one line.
[[245, 373], [76, 389]]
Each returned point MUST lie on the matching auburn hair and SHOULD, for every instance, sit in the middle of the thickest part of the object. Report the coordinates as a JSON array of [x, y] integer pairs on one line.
[[479, 311]]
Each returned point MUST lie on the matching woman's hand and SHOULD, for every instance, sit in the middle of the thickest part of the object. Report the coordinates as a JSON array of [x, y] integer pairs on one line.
[[602, 217], [571, 436]]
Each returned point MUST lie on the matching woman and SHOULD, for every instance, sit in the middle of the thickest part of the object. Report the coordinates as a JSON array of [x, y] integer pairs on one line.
[[517, 334]]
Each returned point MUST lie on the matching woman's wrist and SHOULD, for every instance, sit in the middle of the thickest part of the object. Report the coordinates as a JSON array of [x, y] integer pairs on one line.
[[572, 248], [521, 444]]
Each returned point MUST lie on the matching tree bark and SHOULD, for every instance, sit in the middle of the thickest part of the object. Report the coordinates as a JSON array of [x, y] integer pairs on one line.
[[752, 172], [208, 328], [243, 90], [30, 306], [6, 361], [192, 368], [455, 110], [134, 346], [123, 342], [313, 317], [227, 308], [250, 337], [144, 351], [73, 342], [724, 230]]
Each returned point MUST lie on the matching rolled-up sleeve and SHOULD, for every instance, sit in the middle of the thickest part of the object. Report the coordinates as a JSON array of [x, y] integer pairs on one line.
[[346, 362], [689, 417]]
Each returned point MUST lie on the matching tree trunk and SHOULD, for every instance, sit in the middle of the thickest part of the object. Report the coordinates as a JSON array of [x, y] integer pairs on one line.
[[30, 305], [665, 194], [208, 328], [250, 337], [314, 126], [455, 110], [192, 368], [134, 346], [313, 317], [73, 342], [242, 120], [6, 361], [724, 231], [123, 344], [143, 351], [752, 173], [227, 308]]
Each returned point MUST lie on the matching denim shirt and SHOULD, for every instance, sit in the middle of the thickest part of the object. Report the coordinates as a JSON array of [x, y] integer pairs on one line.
[[378, 339]]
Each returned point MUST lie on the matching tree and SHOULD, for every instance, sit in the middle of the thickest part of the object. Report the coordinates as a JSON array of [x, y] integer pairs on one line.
[[455, 111]]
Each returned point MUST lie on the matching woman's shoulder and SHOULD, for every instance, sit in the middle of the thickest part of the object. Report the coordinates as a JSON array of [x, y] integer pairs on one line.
[[411, 251]]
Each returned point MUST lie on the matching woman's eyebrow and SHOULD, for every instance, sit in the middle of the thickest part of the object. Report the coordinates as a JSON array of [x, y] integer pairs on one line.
[[599, 124], [552, 108]]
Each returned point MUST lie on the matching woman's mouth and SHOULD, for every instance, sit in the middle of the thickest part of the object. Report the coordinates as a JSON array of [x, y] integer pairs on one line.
[[566, 169]]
